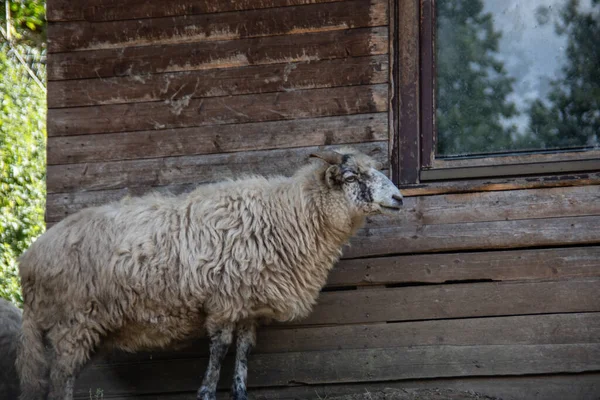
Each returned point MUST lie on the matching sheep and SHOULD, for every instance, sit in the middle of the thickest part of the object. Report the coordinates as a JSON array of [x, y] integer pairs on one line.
[[146, 272], [10, 329]]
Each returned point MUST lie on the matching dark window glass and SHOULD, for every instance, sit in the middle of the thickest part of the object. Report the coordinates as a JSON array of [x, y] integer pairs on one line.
[[514, 75]]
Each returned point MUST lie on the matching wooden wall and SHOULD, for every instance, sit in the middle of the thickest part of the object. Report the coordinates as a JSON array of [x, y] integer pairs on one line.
[[493, 291]]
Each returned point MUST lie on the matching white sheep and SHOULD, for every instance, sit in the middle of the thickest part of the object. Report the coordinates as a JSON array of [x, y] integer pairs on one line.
[[148, 271], [10, 328]]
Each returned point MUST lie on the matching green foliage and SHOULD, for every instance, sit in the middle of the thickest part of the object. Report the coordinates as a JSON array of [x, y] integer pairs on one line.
[[472, 84], [27, 21], [573, 117], [22, 164]]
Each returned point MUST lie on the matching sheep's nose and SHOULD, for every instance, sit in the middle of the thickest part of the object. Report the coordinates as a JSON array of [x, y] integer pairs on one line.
[[398, 199]]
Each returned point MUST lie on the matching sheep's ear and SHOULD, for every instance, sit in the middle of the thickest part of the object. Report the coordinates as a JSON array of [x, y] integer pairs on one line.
[[330, 157]]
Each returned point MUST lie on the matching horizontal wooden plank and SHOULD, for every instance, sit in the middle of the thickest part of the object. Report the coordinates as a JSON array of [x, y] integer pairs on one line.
[[417, 211], [361, 365], [518, 158], [186, 169], [529, 329], [186, 112], [456, 301], [496, 206], [351, 129], [219, 82], [108, 10], [590, 178], [551, 263], [509, 234], [143, 60], [401, 239], [570, 166], [583, 386], [82, 35]]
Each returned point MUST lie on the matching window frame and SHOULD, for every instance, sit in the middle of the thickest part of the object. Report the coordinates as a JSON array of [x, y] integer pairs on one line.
[[412, 115]]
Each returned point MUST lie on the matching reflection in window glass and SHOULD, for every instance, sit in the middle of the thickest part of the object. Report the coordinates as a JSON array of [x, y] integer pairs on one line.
[[517, 75]]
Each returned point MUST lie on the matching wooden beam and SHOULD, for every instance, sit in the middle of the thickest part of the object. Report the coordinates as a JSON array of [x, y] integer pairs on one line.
[[513, 265], [349, 71], [516, 330], [114, 10], [188, 112], [456, 301], [144, 60], [344, 366], [83, 35], [186, 169], [350, 129]]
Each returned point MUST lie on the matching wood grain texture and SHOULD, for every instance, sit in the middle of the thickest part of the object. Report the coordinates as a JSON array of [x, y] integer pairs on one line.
[[456, 301], [186, 169], [143, 60], [584, 386], [408, 91], [108, 10], [499, 184], [559, 263], [350, 129], [83, 35], [219, 82], [427, 224], [401, 239], [497, 206], [188, 112], [581, 386], [361, 365], [522, 330]]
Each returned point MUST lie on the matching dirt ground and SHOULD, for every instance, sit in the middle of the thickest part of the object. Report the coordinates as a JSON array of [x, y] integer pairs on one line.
[[415, 394]]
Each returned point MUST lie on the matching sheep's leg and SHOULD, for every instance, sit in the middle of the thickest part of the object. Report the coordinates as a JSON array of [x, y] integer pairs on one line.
[[246, 337], [220, 339], [71, 349], [62, 377]]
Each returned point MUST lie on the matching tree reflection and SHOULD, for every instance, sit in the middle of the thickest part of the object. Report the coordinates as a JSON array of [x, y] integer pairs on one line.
[[472, 84], [571, 115], [474, 113]]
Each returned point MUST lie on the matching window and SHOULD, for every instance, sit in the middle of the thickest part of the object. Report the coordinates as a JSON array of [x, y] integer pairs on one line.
[[502, 88]]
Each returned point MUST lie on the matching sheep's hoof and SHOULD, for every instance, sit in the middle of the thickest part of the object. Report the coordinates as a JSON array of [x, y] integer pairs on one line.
[[205, 394]]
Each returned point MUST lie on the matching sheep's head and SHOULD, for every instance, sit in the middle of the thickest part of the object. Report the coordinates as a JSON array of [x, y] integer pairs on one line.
[[356, 175]]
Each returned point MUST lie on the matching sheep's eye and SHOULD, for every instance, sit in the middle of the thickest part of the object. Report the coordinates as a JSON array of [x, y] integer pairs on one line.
[[350, 178]]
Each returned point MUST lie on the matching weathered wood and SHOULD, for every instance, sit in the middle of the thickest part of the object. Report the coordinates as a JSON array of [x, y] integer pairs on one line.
[[522, 330], [427, 82], [349, 71], [143, 60], [400, 239], [408, 91], [186, 112], [186, 169], [361, 365], [108, 10], [82, 35], [566, 263], [456, 301], [417, 211], [572, 166], [496, 206], [351, 129], [517, 158], [498, 184], [582, 386]]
